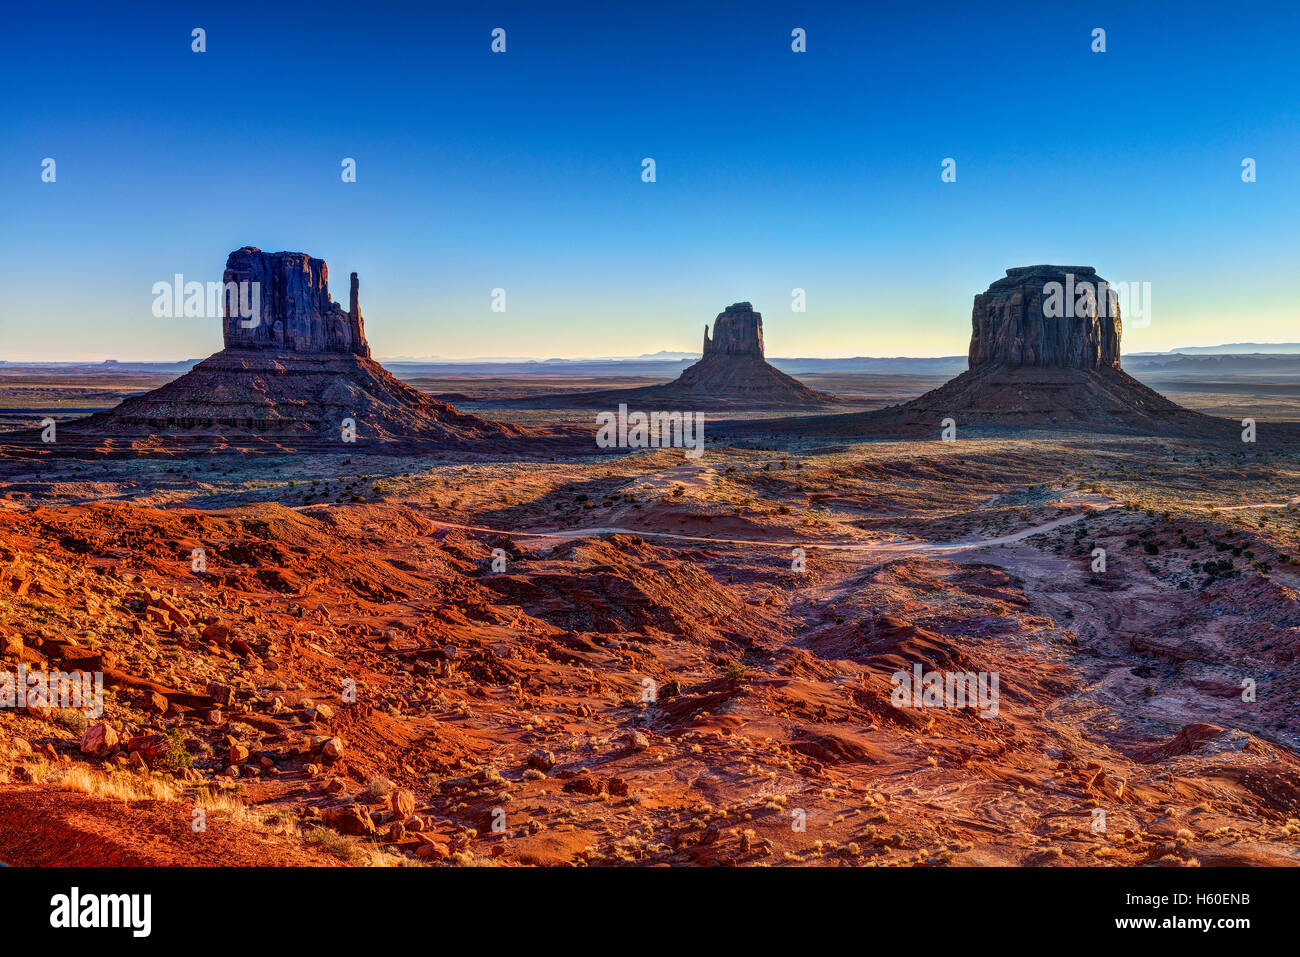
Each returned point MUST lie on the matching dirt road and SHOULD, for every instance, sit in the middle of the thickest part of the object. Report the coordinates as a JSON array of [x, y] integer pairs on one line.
[[880, 548]]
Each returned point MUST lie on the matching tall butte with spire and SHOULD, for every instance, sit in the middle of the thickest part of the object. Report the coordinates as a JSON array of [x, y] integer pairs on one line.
[[296, 313], [295, 370]]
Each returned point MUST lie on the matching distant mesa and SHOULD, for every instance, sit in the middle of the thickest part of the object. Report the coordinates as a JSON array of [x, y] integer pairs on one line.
[[1033, 363], [291, 372], [1038, 359], [1041, 358], [732, 374], [1014, 324]]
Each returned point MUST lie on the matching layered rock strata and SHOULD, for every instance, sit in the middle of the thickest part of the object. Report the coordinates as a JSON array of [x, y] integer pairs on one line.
[[1049, 316]]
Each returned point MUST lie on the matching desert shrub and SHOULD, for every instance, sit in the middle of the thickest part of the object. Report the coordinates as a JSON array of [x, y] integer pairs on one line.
[[72, 719], [177, 757], [736, 672]]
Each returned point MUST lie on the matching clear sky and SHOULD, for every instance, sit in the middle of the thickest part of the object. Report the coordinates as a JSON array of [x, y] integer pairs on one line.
[[775, 169]]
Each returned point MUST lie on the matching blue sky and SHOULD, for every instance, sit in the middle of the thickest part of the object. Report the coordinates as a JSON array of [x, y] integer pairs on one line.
[[522, 170]]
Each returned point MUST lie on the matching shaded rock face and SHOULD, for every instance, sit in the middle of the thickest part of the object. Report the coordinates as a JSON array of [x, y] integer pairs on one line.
[[737, 331], [1046, 316], [296, 312]]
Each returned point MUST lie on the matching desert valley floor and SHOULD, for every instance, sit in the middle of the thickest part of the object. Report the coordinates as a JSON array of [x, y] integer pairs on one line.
[[672, 661]]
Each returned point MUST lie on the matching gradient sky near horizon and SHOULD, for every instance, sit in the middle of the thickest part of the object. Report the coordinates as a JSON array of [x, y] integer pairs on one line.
[[522, 170]]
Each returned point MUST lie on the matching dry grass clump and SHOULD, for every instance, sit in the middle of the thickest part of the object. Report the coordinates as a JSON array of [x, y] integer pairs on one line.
[[354, 853], [112, 787], [223, 807]]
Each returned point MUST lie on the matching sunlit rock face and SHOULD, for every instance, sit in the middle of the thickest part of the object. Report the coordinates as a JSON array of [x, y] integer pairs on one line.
[[1048, 316], [296, 313]]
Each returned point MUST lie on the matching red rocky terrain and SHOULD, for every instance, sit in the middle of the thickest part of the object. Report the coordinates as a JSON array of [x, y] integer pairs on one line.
[[359, 682]]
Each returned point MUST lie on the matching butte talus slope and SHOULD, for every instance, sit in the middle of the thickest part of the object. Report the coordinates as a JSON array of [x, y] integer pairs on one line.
[[290, 375], [731, 374]]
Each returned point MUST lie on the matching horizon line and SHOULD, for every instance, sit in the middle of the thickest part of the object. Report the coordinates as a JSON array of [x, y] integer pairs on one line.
[[646, 357]]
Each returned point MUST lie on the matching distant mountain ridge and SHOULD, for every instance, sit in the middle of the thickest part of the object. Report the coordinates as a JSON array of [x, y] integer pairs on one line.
[[1241, 348]]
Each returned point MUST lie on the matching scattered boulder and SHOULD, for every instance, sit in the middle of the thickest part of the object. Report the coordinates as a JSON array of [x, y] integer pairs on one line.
[[433, 851], [585, 784], [98, 740], [11, 646], [541, 760], [148, 746], [349, 819], [403, 802]]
